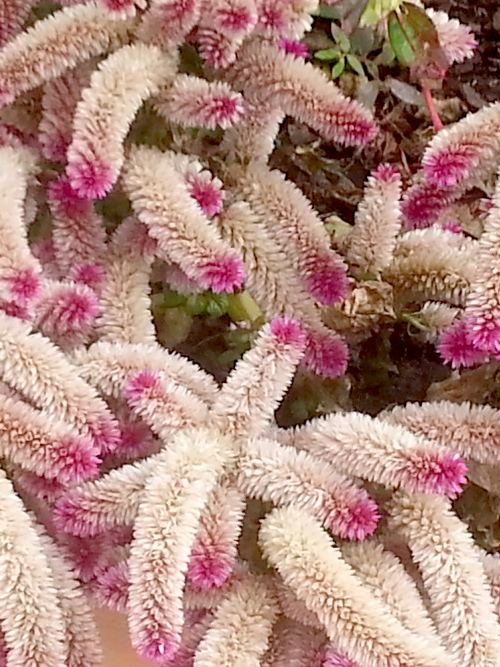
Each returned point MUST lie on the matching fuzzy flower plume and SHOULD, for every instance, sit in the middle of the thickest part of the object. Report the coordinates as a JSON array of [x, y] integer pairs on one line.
[[465, 151], [194, 102], [290, 218], [183, 233], [281, 475], [309, 563], [377, 221], [167, 22], [482, 306], [453, 576], [13, 14], [423, 203], [456, 40], [164, 533], [56, 44], [117, 89], [302, 91], [456, 346], [369, 448]]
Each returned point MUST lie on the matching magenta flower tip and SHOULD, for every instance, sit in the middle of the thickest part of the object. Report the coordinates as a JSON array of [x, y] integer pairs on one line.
[[206, 571], [207, 195], [222, 275], [288, 332], [92, 275], [294, 47], [105, 434], [450, 166], [442, 472], [155, 648], [360, 520], [456, 347], [386, 173], [25, 286], [77, 460], [140, 383], [66, 200], [90, 179], [327, 280], [326, 354]]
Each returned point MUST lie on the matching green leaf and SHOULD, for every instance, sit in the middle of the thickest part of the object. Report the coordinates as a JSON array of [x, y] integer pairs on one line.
[[327, 54], [217, 304], [242, 307], [341, 38], [355, 65], [338, 68], [196, 304], [400, 42]]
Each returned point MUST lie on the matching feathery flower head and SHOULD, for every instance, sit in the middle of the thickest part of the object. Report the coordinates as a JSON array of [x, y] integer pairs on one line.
[[326, 353], [207, 191], [143, 385], [296, 48], [452, 164], [91, 275], [25, 285], [355, 520], [287, 333], [423, 203], [456, 347], [326, 277], [66, 201], [456, 40], [440, 472]]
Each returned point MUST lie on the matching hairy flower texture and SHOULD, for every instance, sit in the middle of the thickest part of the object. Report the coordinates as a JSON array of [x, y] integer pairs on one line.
[[66, 313], [44, 445], [248, 399], [456, 347], [386, 576], [472, 430], [370, 448], [466, 151], [103, 116], [122, 8], [13, 13], [265, 72], [291, 220], [281, 475], [184, 234], [57, 44], [295, 645], [215, 549], [459, 600], [424, 202], [111, 587], [377, 221], [281, 18], [30, 616], [274, 284], [59, 100], [491, 564], [482, 307], [78, 233], [223, 26], [124, 300], [167, 22], [240, 631], [164, 534], [194, 102], [253, 135], [34, 367], [82, 636], [298, 49], [19, 270], [109, 367], [91, 275], [432, 264], [165, 406], [456, 40], [361, 625]]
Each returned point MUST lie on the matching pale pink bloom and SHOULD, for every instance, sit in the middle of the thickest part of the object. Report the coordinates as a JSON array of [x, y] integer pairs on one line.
[[452, 164], [111, 587], [333, 657], [13, 14], [194, 102], [424, 202], [91, 275], [291, 220], [456, 40], [207, 191], [184, 234], [103, 116], [359, 445], [78, 233], [326, 352], [167, 22], [66, 313], [132, 238], [54, 45], [452, 226], [456, 347], [297, 49], [24, 285], [122, 8], [48, 489], [284, 19]]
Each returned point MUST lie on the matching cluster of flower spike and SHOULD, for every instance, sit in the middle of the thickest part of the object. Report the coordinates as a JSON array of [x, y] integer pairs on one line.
[[135, 465]]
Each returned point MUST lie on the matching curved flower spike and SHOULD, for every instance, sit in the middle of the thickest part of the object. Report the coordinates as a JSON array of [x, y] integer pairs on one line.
[[117, 89], [167, 22], [264, 71], [161, 200], [56, 44], [13, 13]]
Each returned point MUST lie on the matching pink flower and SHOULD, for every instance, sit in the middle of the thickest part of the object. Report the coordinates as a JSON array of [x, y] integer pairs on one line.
[[355, 519], [296, 48], [456, 347], [423, 203], [326, 353], [441, 472], [452, 164]]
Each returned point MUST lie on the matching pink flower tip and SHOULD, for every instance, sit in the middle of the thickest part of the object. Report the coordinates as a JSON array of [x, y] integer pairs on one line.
[[223, 110], [92, 275], [222, 275], [105, 433], [90, 179], [451, 165], [25, 285], [208, 570], [386, 173], [235, 19], [356, 520], [327, 279], [332, 657], [442, 472], [296, 48], [66, 200], [287, 332], [207, 194], [326, 354], [157, 649], [70, 516], [76, 460], [483, 333], [141, 383], [456, 347], [452, 226]]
